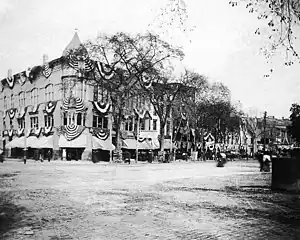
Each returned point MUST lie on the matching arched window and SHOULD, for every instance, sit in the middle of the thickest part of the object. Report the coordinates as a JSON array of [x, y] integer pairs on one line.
[[49, 95], [34, 96], [21, 99]]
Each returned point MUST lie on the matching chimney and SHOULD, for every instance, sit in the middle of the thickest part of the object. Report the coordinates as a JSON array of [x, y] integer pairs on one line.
[[45, 58], [9, 73]]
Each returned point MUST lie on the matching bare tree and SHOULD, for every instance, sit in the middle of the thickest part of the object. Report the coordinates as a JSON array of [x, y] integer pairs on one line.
[[122, 61]]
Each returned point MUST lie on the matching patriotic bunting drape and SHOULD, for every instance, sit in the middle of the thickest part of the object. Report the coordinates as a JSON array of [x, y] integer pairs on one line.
[[100, 133], [50, 106], [47, 70], [105, 71], [141, 113], [101, 107], [35, 108], [10, 81], [20, 132], [74, 102], [10, 133], [22, 78], [11, 113], [47, 130], [22, 112], [146, 82], [81, 63], [71, 131]]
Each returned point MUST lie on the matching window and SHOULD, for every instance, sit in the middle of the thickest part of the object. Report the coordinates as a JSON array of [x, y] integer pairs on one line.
[[100, 94], [71, 118], [100, 122], [142, 124], [154, 124], [12, 101], [77, 90], [5, 102], [34, 122], [49, 95], [21, 99], [34, 96], [49, 121], [129, 124], [65, 119], [79, 119], [21, 123]]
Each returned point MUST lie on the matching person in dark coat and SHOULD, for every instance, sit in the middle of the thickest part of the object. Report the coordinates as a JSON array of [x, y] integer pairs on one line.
[[49, 155]]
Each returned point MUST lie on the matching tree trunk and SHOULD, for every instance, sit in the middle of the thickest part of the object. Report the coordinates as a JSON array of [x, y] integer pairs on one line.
[[162, 142], [118, 137]]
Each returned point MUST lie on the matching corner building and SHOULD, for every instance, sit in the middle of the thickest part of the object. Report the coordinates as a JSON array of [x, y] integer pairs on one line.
[[53, 109]]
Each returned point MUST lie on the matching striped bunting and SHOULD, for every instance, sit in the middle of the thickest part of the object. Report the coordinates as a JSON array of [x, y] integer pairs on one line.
[[10, 81], [100, 133], [47, 70], [11, 113], [22, 78], [79, 104], [105, 71], [50, 106], [140, 114], [146, 81], [35, 108], [101, 107], [72, 131], [20, 132], [10, 133], [81, 64], [47, 130], [27, 72], [22, 112]]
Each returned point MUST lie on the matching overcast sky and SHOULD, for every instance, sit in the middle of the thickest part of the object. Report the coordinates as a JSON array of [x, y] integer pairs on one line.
[[222, 46]]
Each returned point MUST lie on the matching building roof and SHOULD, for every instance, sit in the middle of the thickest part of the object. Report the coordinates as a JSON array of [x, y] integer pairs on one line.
[[75, 43]]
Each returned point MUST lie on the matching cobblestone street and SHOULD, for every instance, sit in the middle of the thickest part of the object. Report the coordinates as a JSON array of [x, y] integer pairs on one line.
[[81, 200]]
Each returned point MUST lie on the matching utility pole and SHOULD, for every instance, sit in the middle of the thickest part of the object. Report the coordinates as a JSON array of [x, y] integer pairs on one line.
[[265, 123]]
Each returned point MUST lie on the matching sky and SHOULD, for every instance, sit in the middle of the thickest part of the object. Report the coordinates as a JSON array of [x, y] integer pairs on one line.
[[222, 45]]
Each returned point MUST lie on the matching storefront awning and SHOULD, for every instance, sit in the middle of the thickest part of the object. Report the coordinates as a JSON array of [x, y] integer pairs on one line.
[[133, 144], [167, 144], [102, 144], [31, 142], [45, 142], [16, 143], [79, 142]]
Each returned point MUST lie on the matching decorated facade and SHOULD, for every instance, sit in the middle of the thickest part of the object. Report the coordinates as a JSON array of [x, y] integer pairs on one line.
[[54, 108]]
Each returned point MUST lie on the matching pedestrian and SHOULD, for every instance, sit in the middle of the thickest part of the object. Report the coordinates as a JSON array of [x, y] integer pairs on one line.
[[49, 155], [1, 156]]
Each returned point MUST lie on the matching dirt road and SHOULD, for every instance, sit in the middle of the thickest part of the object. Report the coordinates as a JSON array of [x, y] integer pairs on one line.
[[81, 200]]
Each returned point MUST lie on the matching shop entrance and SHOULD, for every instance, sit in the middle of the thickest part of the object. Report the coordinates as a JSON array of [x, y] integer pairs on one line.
[[74, 153]]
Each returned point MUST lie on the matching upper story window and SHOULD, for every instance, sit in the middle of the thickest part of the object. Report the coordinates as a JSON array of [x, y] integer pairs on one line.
[[100, 121], [21, 99], [12, 101], [34, 96], [49, 95], [129, 125], [21, 123], [72, 118], [34, 122], [100, 94], [154, 126], [5, 102], [77, 90], [49, 121]]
